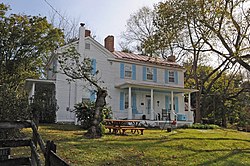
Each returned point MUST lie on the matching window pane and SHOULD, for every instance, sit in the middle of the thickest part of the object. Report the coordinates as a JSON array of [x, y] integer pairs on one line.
[[149, 76], [171, 76], [128, 74], [126, 101], [87, 46], [128, 71], [149, 73]]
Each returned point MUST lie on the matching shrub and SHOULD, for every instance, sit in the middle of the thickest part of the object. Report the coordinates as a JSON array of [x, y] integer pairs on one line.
[[203, 126], [85, 112]]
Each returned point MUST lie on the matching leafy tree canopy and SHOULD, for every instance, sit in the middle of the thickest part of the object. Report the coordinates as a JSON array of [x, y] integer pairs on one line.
[[216, 27], [25, 43]]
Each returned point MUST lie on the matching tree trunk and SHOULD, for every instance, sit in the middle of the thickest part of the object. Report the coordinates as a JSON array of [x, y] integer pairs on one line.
[[95, 131], [197, 118], [224, 118]]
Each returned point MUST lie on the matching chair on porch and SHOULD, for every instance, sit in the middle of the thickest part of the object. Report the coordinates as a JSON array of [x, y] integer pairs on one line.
[[166, 115], [167, 118]]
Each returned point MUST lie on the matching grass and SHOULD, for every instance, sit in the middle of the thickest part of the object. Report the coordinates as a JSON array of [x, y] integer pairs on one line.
[[155, 147]]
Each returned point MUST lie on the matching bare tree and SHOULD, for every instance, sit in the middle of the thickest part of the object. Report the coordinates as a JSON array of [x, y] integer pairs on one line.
[[64, 22], [77, 68], [139, 32]]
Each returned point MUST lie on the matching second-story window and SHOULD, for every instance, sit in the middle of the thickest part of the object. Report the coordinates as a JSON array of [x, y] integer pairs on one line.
[[171, 76], [128, 71], [149, 73]]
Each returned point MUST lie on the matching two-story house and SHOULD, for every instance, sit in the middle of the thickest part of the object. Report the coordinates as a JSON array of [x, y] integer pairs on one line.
[[139, 87]]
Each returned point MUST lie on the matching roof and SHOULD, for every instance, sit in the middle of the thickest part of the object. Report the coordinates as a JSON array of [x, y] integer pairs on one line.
[[156, 86], [144, 58]]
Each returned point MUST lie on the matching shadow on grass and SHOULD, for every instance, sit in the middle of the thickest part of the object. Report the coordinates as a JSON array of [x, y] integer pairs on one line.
[[227, 156], [169, 138], [197, 152], [213, 139], [61, 127]]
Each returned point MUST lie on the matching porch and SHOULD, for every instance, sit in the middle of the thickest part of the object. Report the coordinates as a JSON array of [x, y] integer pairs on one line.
[[154, 102]]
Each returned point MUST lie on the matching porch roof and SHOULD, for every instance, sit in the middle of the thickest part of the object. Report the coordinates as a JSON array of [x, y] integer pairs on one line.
[[154, 86], [29, 82]]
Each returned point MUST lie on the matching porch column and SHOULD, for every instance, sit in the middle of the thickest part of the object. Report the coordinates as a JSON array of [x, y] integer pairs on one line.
[[172, 106], [129, 103], [189, 102], [32, 93], [152, 105], [190, 113], [76, 89]]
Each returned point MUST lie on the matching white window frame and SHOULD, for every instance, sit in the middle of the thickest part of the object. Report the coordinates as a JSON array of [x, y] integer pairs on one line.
[[127, 71], [149, 74], [171, 77]]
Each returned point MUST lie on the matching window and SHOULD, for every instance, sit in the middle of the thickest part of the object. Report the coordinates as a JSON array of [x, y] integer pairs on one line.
[[128, 71], [171, 76], [149, 73], [126, 100], [87, 46]]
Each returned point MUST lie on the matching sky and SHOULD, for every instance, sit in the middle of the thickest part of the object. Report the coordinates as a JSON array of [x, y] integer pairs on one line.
[[102, 17]]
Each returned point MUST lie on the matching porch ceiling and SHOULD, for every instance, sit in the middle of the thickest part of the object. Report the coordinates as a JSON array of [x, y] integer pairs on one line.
[[154, 86]]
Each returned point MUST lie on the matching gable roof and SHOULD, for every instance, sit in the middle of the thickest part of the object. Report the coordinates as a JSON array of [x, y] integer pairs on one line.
[[144, 58]]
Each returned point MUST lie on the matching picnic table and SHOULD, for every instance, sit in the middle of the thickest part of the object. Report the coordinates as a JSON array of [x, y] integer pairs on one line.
[[121, 126]]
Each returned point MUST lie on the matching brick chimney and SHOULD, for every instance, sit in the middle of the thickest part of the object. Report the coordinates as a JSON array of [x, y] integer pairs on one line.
[[87, 33], [109, 43], [171, 58]]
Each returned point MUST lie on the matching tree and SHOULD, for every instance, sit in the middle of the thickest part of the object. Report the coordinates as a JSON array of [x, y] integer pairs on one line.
[[221, 26], [206, 28], [64, 22], [140, 31], [78, 68], [25, 44], [224, 94]]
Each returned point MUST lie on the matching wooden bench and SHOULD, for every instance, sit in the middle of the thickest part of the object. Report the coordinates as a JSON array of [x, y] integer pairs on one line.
[[123, 129]]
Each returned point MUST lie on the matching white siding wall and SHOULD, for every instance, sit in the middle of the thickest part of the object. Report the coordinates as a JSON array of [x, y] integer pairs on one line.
[[109, 72]]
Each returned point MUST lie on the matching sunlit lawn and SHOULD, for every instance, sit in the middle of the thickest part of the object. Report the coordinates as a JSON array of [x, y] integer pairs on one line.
[[155, 147]]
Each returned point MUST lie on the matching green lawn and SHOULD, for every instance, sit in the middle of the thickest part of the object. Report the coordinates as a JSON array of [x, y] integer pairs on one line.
[[155, 147]]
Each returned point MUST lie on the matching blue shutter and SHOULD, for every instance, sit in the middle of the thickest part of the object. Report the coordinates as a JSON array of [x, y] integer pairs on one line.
[[167, 103], [134, 109], [93, 65], [92, 96], [133, 72], [155, 74], [176, 77], [176, 104], [144, 73], [121, 101], [166, 76], [122, 70]]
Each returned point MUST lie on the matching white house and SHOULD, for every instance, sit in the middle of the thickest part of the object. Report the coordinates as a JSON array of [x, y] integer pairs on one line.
[[139, 87]]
